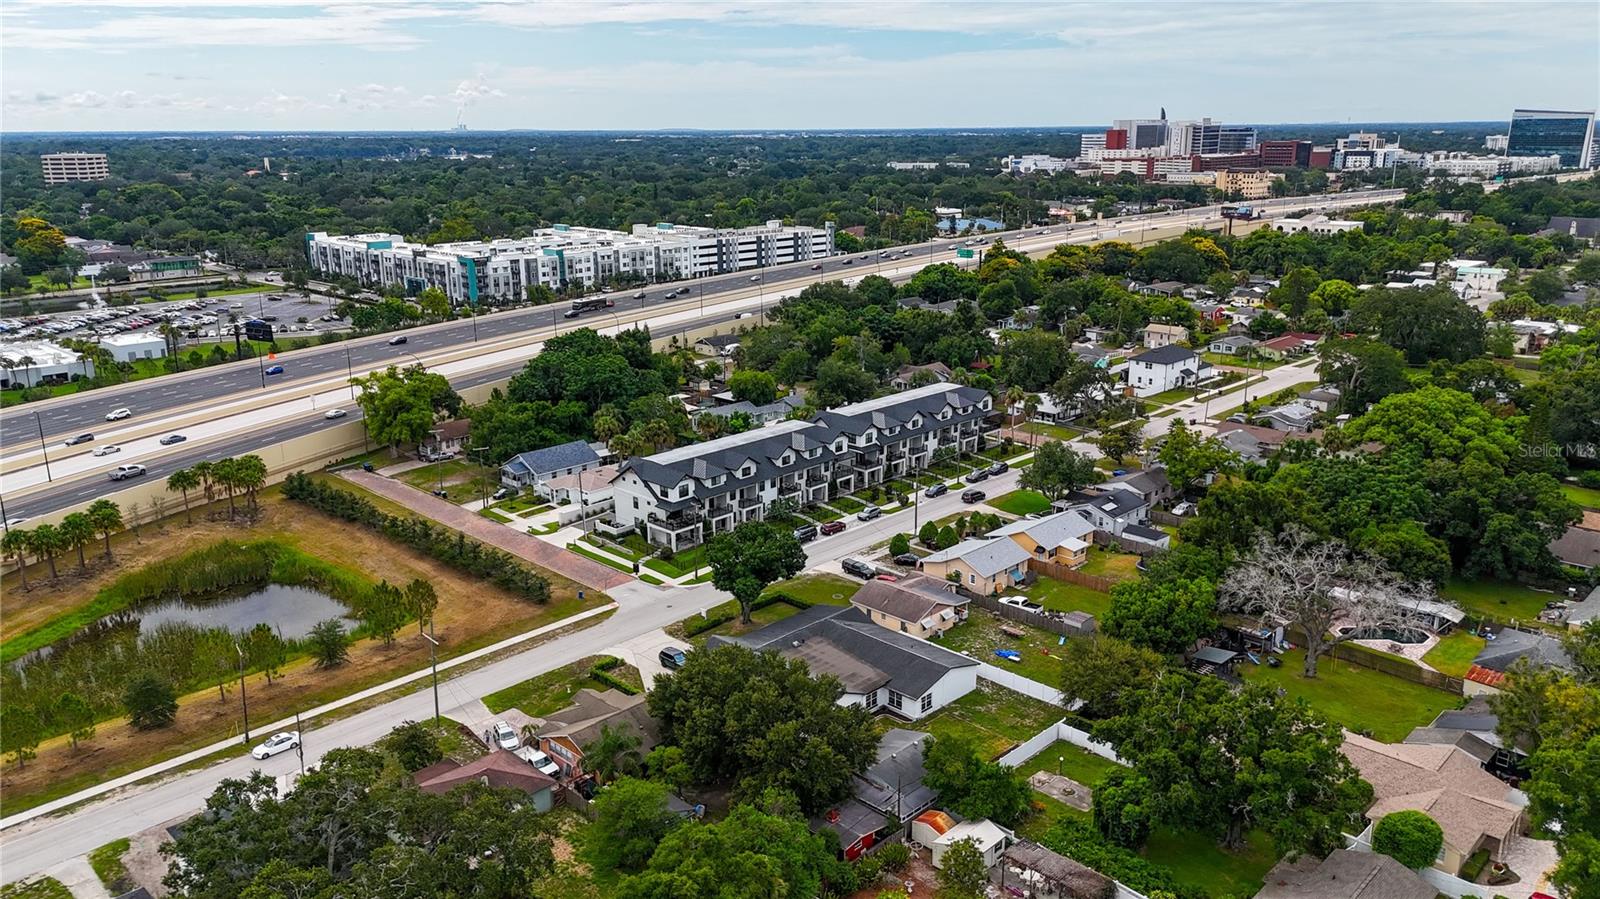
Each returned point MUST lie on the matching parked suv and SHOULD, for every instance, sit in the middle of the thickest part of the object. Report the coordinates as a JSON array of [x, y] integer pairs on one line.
[[936, 490], [999, 468], [868, 513], [976, 475], [805, 533], [672, 657], [974, 496], [859, 568], [829, 528]]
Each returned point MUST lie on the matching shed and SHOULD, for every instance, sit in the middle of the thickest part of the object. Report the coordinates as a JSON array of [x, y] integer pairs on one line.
[[1027, 862], [990, 838], [1211, 659]]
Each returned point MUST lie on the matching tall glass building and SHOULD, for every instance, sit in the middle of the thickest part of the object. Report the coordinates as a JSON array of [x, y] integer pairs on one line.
[[1543, 132]]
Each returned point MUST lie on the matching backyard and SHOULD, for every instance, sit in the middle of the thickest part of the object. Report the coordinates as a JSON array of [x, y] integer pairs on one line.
[[1111, 564], [542, 696], [980, 635], [1060, 596], [826, 589], [1454, 652], [473, 479], [1364, 700], [732, 627], [1021, 502], [1500, 600], [1587, 497], [992, 717]]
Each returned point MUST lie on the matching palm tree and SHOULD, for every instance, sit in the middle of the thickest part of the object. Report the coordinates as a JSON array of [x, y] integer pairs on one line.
[[1030, 408], [47, 541], [202, 470], [658, 433], [250, 475], [10, 365], [183, 480], [606, 425], [106, 517], [17, 543], [77, 530], [26, 364], [223, 473], [613, 753], [1014, 396]]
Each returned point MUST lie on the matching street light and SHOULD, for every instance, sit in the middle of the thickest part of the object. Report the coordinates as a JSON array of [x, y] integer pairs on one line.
[[243, 701], [40, 424], [433, 660]]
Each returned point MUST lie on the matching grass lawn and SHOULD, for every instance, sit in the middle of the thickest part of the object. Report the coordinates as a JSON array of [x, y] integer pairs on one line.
[[980, 635], [1060, 596], [822, 589], [525, 503], [759, 618], [492, 515], [541, 696], [1241, 361], [1175, 395], [1114, 565], [1195, 859], [1587, 497], [1071, 760], [1044, 429], [683, 563], [1500, 600], [1361, 699], [994, 718], [607, 561], [1021, 502], [847, 504], [616, 549], [107, 864], [40, 888], [453, 473], [1454, 652]]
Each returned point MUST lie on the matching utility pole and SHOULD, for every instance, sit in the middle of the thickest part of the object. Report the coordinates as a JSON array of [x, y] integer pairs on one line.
[[433, 660], [243, 700], [42, 449]]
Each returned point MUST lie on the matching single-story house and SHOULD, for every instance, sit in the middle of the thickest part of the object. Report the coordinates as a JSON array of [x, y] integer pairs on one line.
[[1232, 345], [447, 439], [1160, 335], [1252, 443], [1294, 416], [1160, 289], [990, 839], [1211, 312], [777, 410], [1585, 229], [1249, 296], [917, 375], [590, 487], [497, 769], [1471, 729], [1578, 546], [919, 606], [1088, 352], [880, 669], [1165, 368], [567, 734], [980, 565], [1489, 667], [1584, 611], [1097, 334], [1475, 809], [719, 345], [1108, 509], [882, 798], [1154, 537], [540, 465], [1287, 345], [1062, 538], [1323, 399], [1345, 874]]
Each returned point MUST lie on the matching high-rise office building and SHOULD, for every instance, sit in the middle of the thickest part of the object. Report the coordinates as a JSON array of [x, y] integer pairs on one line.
[[64, 168], [1564, 133], [1143, 134]]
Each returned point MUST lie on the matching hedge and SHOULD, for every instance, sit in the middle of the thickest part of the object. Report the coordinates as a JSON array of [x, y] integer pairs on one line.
[[701, 625], [601, 673]]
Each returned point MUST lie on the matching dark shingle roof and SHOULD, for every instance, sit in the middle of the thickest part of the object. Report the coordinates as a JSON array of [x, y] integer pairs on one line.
[[554, 458], [1171, 354], [1508, 646]]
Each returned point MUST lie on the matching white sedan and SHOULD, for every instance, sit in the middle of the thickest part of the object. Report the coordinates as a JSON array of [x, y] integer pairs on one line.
[[106, 450], [277, 743], [334, 413]]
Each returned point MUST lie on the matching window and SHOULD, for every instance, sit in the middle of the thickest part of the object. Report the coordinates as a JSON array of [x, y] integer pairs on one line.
[[636, 502], [872, 700], [927, 703], [972, 579], [894, 700]]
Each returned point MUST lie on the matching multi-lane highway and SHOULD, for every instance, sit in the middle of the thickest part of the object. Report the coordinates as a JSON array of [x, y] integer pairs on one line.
[[227, 410]]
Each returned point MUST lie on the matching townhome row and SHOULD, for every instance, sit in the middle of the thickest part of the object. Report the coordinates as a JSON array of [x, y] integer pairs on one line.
[[683, 496], [471, 271]]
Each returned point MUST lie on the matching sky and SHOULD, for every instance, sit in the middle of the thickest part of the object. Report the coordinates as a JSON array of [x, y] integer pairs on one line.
[[125, 65]]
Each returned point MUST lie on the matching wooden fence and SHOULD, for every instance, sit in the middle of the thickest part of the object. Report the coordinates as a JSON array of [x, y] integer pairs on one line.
[[1403, 668], [1050, 621], [1071, 575], [1160, 516]]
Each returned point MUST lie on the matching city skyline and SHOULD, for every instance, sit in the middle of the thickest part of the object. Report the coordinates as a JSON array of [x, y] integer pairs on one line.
[[114, 65]]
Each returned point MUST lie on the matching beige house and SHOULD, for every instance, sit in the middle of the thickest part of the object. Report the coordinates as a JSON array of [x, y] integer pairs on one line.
[[990, 564], [919, 606], [1159, 335], [1475, 809]]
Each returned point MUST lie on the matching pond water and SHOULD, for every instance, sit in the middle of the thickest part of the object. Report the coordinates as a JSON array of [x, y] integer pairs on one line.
[[293, 611]]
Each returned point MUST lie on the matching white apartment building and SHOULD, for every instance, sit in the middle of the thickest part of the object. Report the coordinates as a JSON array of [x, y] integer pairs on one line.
[[1315, 224], [1092, 146], [926, 166], [1028, 164], [1497, 142], [65, 168], [683, 496], [473, 271], [1467, 165]]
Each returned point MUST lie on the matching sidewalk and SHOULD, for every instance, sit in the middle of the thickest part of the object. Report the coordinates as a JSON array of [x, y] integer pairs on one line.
[[570, 565]]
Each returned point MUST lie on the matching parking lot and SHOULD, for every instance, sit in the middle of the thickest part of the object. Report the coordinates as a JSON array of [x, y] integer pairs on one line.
[[209, 318]]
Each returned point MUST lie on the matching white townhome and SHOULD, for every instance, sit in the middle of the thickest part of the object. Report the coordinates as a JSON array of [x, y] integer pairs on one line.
[[683, 496], [1165, 368]]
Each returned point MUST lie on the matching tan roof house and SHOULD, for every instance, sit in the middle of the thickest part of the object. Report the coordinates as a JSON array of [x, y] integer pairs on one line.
[[569, 732], [497, 769], [1160, 335], [919, 606], [1475, 809]]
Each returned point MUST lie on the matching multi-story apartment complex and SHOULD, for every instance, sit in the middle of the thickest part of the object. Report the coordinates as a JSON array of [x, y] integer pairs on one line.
[[1498, 143], [1249, 185], [1034, 162], [684, 496], [1541, 132], [65, 168], [555, 257]]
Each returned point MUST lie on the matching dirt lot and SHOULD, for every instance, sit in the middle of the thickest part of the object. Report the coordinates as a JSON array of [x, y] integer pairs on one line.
[[470, 614]]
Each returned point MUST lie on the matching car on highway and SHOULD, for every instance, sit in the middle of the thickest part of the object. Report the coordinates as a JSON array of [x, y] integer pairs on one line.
[[639, 295], [936, 490], [829, 528], [973, 496], [106, 450], [119, 414], [81, 438], [754, 278], [847, 262], [275, 744], [18, 521], [976, 475], [571, 313], [335, 413], [124, 472], [398, 339], [505, 736], [669, 294], [173, 439], [868, 513], [816, 267]]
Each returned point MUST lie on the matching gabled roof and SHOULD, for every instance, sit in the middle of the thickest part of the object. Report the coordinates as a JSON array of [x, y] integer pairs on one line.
[[1586, 610], [1510, 645], [720, 341], [1113, 502], [1345, 874], [553, 458], [1577, 546], [1171, 354], [985, 556], [1050, 531], [499, 768], [913, 599], [454, 429], [601, 709], [1441, 780], [1145, 483]]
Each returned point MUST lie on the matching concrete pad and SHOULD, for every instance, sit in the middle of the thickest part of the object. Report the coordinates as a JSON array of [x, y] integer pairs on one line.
[[80, 879], [644, 653]]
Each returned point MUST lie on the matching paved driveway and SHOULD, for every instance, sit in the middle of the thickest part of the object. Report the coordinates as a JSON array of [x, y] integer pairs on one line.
[[571, 565], [644, 653]]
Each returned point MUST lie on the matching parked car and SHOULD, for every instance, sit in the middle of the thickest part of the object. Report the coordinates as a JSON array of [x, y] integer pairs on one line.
[[539, 760], [672, 657], [976, 475], [1020, 603], [1183, 508], [119, 414], [1239, 418], [505, 493], [868, 513], [172, 439], [81, 438], [398, 339], [974, 496], [106, 450], [274, 370], [334, 413], [275, 744], [858, 568], [829, 528], [505, 736], [909, 560], [805, 533], [936, 490], [999, 468]]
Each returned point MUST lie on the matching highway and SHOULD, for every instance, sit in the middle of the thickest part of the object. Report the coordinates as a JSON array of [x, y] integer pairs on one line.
[[226, 410]]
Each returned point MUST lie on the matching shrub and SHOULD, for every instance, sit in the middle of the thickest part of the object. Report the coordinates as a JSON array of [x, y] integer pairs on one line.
[[899, 544], [1590, 479], [1409, 837], [895, 857], [150, 702]]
